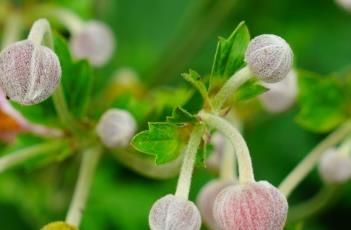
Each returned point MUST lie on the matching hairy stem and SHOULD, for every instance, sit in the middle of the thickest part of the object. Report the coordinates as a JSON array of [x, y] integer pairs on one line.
[[246, 174], [234, 82], [228, 163], [309, 162], [20, 156], [40, 33], [186, 171], [87, 169]]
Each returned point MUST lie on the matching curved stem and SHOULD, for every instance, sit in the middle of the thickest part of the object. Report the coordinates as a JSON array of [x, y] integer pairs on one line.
[[308, 163], [312, 206], [40, 33], [20, 156], [233, 83], [246, 174], [228, 163], [81, 191], [12, 29], [66, 17], [186, 171]]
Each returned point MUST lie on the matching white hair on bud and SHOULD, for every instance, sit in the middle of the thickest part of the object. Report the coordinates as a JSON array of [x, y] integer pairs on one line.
[[116, 127], [174, 213], [206, 198], [335, 166], [269, 57], [281, 95], [29, 73], [257, 205], [94, 42]]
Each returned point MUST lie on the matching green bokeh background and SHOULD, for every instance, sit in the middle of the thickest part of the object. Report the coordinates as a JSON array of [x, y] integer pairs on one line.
[[319, 32]]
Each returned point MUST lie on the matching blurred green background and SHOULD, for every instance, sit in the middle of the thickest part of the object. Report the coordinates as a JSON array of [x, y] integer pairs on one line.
[[165, 38]]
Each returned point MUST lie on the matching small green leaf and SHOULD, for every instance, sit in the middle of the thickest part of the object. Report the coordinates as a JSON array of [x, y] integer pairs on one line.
[[161, 140], [181, 116], [322, 101], [204, 151], [76, 79], [230, 52], [250, 89], [195, 79]]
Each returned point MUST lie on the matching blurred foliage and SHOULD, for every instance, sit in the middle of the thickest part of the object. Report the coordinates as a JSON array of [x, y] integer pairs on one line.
[[120, 199]]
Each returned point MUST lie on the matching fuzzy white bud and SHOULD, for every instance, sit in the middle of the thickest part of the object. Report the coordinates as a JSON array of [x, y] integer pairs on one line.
[[257, 205], [94, 42], [281, 95], [174, 213], [116, 127], [335, 166], [269, 57], [29, 73], [206, 198]]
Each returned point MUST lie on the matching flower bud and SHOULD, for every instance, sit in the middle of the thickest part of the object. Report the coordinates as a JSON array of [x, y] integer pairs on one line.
[[214, 160], [173, 213], [29, 73], [346, 4], [59, 225], [206, 198], [254, 206], [335, 166], [281, 95], [269, 57], [116, 127], [94, 42]]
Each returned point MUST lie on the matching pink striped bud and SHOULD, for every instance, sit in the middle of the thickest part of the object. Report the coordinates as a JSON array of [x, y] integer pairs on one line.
[[253, 206], [29, 73], [206, 198], [174, 213]]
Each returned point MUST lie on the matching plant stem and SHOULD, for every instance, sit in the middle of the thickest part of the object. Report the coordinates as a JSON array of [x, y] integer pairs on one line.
[[246, 174], [186, 171], [228, 163], [233, 83], [312, 206], [81, 191], [40, 33], [62, 110], [308, 163], [20, 156]]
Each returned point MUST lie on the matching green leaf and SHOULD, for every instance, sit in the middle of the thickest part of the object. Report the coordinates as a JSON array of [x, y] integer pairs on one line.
[[195, 80], [161, 140], [204, 151], [181, 116], [77, 79], [250, 89], [322, 101], [230, 52]]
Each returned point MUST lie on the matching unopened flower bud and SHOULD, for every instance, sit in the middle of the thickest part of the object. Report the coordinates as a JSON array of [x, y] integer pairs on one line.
[[59, 225], [346, 4], [269, 57], [29, 73], [281, 95], [173, 213], [94, 42], [116, 127], [206, 198], [335, 166], [254, 206]]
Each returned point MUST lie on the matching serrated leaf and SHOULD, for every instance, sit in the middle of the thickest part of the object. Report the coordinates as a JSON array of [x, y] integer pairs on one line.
[[322, 101], [181, 116], [76, 79], [195, 80], [161, 140], [250, 89], [230, 52]]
